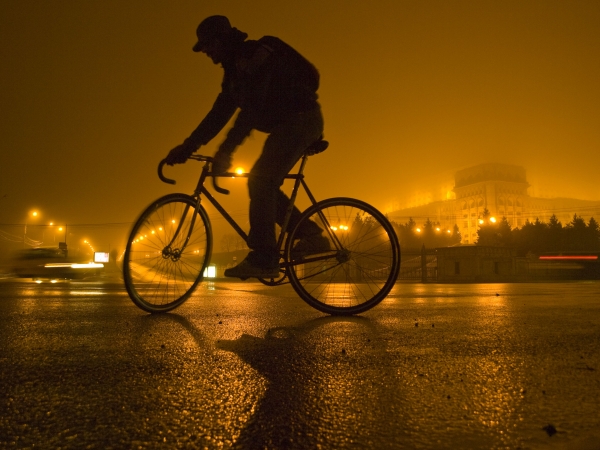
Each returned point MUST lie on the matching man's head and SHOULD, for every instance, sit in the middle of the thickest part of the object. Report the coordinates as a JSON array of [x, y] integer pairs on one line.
[[216, 38], [213, 27]]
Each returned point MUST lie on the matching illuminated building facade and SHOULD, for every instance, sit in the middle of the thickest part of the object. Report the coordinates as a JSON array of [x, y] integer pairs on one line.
[[502, 190], [499, 188]]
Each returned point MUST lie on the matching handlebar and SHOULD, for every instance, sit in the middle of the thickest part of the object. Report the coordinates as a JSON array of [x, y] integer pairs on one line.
[[207, 159], [160, 173]]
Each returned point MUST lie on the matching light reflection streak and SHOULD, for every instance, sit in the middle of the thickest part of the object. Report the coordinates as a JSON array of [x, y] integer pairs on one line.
[[87, 293]]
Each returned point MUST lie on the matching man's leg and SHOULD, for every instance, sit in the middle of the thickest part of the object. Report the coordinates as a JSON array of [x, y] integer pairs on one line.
[[284, 146]]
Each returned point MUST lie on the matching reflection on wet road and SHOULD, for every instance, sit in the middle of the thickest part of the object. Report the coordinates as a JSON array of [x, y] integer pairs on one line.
[[243, 365]]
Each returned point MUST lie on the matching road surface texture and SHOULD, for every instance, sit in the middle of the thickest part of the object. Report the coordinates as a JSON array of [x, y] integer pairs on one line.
[[243, 365]]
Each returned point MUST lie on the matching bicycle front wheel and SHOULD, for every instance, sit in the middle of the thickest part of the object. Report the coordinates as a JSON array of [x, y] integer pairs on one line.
[[167, 252], [362, 265]]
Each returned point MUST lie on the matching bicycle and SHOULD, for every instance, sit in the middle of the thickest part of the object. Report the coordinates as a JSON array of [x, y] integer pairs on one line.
[[170, 246]]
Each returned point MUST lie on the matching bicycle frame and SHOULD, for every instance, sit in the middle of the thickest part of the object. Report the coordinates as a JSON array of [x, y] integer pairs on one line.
[[202, 191]]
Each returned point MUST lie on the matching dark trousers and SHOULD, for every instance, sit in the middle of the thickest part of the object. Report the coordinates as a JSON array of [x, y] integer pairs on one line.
[[284, 146]]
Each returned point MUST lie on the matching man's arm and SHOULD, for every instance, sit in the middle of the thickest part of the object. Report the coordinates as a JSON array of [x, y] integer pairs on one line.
[[235, 137], [222, 111]]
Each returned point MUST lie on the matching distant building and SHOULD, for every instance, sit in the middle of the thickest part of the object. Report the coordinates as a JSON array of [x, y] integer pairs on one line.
[[502, 190], [475, 264]]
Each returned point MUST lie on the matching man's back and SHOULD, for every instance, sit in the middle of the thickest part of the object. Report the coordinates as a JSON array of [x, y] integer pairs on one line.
[[271, 81]]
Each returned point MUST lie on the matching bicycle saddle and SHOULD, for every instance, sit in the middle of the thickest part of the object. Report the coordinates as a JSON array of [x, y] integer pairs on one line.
[[317, 147]]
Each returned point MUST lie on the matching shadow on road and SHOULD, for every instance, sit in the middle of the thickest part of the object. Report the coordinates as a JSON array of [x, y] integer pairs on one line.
[[328, 380], [318, 382]]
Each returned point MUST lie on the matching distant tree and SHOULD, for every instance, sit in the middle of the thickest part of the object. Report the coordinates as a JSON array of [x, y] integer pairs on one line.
[[240, 243], [533, 237], [593, 235], [577, 224], [431, 234], [554, 223], [593, 226], [555, 234], [576, 234], [228, 242], [428, 236], [540, 233], [494, 233], [530, 238], [487, 233], [408, 235], [455, 237], [485, 215], [505, 234]]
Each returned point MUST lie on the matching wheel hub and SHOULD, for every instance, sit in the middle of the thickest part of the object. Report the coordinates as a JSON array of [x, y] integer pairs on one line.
[[343, 256], [172, 254]]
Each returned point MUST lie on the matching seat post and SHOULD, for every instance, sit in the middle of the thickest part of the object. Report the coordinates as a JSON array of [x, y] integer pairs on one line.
[[303, 164], [292, 202]]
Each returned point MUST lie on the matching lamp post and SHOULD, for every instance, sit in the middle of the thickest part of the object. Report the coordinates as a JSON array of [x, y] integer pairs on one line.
[[33, 214]]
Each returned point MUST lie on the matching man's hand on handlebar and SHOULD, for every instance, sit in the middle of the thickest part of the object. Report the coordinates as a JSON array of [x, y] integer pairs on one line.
[[180, 154], [221, 162]]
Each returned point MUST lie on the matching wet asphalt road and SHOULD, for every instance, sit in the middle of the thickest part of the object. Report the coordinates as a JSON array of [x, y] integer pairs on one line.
[[242, 365]]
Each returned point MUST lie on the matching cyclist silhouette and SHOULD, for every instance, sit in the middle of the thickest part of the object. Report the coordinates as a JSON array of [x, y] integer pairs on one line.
[[274, 88]]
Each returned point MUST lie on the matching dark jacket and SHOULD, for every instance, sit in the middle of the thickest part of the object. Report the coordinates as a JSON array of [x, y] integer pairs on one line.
[[269, 82]]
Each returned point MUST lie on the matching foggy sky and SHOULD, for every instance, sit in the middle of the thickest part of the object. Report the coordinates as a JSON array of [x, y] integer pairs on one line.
[[95, 93]]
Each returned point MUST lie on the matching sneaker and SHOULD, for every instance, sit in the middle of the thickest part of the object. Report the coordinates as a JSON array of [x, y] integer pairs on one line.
[[245, 270], [311, 245]]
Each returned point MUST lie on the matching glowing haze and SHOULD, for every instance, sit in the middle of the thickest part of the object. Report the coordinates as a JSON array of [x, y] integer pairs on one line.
[[95, 93]]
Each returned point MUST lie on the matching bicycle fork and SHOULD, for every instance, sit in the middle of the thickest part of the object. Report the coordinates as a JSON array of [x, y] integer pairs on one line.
[[174, 254]]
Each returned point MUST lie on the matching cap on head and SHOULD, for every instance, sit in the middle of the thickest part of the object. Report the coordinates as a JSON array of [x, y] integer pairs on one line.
[[210, 28]]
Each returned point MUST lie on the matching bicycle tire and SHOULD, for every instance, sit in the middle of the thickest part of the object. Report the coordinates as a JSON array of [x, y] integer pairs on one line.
[[161, 265], [362, 266]]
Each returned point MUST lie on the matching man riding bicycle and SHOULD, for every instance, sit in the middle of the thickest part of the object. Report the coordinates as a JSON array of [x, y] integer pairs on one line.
[[274, 88]]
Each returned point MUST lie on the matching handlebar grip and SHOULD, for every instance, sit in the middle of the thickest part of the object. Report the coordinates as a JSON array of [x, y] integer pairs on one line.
[[160, 173], [218, 188], [164, 179]]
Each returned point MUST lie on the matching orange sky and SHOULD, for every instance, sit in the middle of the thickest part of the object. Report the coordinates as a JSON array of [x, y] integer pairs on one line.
[[95, 93]]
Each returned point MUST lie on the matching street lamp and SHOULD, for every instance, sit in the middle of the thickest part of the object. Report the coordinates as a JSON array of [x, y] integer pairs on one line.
[[34, 214], [85, 241]]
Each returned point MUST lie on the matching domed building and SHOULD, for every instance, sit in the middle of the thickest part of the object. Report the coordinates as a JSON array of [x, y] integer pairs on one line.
[[500, 189]]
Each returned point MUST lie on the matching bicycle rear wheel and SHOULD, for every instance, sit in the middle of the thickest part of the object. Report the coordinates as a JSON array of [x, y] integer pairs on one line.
[[362, 266], [167, 252]]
